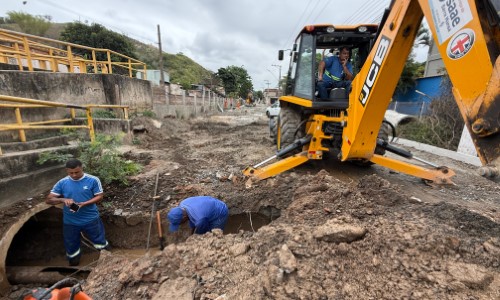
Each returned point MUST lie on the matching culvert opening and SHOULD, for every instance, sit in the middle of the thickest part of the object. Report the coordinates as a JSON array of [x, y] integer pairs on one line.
[[251, 221], [36, 254]]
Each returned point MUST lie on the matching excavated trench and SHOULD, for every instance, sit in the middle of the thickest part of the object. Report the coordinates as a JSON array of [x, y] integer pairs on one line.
[[36, 253]]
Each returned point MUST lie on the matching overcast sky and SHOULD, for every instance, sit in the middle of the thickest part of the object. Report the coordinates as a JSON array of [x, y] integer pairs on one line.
[[214, 33]]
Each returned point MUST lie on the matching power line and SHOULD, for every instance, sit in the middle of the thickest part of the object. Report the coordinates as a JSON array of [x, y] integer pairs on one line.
[[374, 13], [320, 11], [67, 10], [368, 8], [312, 10], [376, 8], [377, 19], [297, 25], [364, 8]]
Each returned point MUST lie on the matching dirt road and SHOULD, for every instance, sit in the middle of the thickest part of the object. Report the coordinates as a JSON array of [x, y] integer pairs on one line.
[[334, 230]]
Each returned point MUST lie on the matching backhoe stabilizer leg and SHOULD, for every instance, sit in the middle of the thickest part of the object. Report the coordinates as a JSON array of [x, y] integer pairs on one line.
[[440, 175], [277, 167]]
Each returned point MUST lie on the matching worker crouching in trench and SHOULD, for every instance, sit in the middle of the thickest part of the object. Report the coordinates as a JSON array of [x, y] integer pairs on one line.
[[203, 213]]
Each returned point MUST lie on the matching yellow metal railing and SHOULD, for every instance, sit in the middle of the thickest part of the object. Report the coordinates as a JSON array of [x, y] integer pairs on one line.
[[34, 52], [25, 103]]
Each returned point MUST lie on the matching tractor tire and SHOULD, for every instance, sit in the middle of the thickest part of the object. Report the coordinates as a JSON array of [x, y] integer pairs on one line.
[[273, 129], [290, 125], [383, 134]]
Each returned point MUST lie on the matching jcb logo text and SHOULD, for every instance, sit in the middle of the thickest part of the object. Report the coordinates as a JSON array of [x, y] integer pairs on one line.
[[382, 48]]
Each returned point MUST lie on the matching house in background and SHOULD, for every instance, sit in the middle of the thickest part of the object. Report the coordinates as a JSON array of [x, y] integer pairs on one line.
[[154, 76]]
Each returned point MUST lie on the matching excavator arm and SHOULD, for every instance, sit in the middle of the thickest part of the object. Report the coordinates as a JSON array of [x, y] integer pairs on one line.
[[467, 34]]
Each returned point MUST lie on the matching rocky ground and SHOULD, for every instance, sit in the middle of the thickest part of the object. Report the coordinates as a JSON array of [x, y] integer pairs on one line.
[[336, 231]]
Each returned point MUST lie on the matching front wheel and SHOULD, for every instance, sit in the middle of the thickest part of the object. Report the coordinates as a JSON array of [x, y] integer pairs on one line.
[[291, 126], [273, 129]]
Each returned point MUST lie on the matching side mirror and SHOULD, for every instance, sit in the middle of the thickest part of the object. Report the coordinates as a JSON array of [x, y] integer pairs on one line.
[[280, 55], [294, 47]]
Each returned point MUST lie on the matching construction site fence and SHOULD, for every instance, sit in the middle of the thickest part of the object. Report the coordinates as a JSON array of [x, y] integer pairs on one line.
[[17, 104], [38, 53]]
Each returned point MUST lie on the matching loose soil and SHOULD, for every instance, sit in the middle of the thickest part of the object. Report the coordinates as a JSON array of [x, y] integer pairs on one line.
[[336, 231]]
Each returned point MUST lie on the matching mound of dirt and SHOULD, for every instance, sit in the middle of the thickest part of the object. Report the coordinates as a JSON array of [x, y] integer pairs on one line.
[[334, 241], [336, 231], [353, 234]]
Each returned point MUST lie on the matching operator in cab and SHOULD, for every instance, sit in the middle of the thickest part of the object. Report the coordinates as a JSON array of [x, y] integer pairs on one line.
[[334, 72]]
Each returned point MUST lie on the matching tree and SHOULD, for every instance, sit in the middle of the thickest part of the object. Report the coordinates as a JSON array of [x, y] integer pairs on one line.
[[423, 37], [411, 71], [236, 81], [258, 95], [97, 36], [36, 25]]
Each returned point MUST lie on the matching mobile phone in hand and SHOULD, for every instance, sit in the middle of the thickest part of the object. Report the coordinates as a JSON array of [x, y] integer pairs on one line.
[[74, 207]]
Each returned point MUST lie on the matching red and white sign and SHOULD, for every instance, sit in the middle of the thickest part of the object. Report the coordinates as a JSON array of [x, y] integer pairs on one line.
[[460, 44]]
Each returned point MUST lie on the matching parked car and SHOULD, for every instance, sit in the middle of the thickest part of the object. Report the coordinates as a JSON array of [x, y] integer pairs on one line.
[[273, 110]]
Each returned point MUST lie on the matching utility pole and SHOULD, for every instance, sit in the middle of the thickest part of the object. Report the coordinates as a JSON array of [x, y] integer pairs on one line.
[[279, 79], [162, 77]]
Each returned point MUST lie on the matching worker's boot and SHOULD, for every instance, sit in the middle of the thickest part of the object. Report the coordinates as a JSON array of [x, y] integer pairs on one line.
[[75, 261]]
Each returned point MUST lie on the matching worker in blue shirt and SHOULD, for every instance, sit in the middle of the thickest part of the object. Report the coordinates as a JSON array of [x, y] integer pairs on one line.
[[204, 213], [334, 72], [79, 192]]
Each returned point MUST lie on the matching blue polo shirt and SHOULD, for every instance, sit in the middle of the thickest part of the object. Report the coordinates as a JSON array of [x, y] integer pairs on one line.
[[333, 65], [204, 212], [80, 190]]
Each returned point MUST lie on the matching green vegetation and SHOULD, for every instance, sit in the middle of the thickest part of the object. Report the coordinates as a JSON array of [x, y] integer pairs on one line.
[[182, 69], [97, 36], [411, 71], [37, 25], [442, 127], [236, 81], [100, 158], [104, 114], [149, 114]]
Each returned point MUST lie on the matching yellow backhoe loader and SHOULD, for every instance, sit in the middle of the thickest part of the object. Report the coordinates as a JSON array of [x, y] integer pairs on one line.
[[349, 124]]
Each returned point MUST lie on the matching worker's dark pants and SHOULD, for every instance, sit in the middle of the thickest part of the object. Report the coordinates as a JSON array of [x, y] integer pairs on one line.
[[94, 231], [323, 87]]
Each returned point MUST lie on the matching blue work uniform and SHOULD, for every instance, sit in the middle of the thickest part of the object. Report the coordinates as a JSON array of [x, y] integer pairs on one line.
[[86, 219], [205, 213], [333, 76]]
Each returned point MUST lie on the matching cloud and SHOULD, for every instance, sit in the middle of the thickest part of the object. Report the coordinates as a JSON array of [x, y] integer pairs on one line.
[[214, 33]]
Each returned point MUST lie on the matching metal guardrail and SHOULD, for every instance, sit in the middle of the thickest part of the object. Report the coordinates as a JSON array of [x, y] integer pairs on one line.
[[25, 103], [34, 52]]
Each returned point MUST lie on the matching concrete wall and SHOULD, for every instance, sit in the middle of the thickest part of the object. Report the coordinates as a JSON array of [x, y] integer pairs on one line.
[[78, 89]]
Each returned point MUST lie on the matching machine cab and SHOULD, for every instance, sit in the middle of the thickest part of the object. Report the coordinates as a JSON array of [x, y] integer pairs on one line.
[[316, 42]]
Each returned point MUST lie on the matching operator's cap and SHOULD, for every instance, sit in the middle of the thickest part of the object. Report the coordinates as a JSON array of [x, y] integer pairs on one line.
[[175, 218]]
